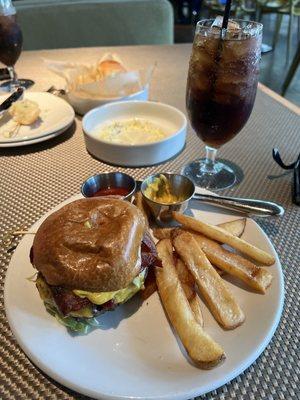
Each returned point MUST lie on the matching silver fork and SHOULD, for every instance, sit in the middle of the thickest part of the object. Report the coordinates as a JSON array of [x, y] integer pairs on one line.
[[56, 92]]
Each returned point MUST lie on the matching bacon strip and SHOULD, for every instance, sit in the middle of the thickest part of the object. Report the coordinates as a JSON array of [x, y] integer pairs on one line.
[[149, 253], [67, 301]]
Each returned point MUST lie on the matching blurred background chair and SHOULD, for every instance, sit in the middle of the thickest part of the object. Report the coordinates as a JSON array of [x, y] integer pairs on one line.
[[292, 70], [216, 7], [49, 24], [290, 8], [279, 18]]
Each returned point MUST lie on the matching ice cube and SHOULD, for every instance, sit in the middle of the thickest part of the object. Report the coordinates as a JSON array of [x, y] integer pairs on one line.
[[201, 60], [232, 26], [217, 22], [199, 83], [250, 30], [232, 88]]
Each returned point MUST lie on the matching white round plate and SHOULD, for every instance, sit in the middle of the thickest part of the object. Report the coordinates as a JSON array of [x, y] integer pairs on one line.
[[136, 354], [56, 116]]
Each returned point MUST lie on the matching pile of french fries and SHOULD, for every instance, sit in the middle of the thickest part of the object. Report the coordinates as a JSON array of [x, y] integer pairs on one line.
[[193, 261]]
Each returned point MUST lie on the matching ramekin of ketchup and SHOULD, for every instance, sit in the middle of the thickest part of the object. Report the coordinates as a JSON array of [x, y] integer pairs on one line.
[[109, 184], [112, 191]]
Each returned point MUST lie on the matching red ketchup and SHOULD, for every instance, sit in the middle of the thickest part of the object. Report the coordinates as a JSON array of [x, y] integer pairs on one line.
[[112, 191]]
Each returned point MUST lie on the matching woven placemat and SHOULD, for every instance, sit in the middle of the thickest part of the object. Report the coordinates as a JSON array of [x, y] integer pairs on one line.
[[36, 178]]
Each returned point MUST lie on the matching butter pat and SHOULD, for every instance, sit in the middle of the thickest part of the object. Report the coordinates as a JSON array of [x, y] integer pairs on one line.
[[24, 112]]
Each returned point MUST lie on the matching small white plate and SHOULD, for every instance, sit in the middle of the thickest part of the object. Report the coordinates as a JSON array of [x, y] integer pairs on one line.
[[172, 121], [56, 116], [136, 354]]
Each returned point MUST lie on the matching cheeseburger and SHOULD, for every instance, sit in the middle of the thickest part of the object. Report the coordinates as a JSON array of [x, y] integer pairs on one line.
[[92, 255]]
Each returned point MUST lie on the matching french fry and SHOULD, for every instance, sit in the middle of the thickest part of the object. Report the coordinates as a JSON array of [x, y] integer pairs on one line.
[[202, 349], [162, 233], [256, 277], [139, 202], [219, 299], [188, 285], [219, 271], [165, 233], [235, 227], [220, 235]]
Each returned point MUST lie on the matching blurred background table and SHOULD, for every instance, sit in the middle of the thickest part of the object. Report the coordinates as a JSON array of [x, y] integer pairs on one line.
[[76, 23], [37, 177]]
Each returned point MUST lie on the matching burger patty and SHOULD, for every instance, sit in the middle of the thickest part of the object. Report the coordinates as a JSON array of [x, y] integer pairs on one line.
[[67, 301]]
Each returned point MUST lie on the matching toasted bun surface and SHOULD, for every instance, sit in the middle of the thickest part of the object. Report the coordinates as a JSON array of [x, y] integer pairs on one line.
[[90, 244]]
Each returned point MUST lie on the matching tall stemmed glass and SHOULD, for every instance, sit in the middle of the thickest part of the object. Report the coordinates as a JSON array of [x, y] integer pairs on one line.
[[11, 41], [221, 89]]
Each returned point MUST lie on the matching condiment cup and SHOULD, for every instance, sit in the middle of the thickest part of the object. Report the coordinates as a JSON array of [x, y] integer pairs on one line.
[[184, 188], [108, 180], [180, 186]]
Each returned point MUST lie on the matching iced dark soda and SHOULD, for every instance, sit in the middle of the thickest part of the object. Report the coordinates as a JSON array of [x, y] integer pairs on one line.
[[222, 80], [10, 40]]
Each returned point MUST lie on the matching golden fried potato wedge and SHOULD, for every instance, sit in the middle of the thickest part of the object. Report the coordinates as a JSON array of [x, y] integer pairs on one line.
[[235, 227], [202, 349], [140, 203], [195, 304], [219, 299], [219, 271], [256, 277], [188, 285], [162, 233], [220, 235]]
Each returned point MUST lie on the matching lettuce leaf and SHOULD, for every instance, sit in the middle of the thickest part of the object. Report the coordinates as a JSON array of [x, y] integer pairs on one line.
[[79, 325], [83, 325]]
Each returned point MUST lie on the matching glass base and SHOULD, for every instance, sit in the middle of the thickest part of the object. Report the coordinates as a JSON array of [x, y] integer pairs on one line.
[[11, 86], [220, 177]]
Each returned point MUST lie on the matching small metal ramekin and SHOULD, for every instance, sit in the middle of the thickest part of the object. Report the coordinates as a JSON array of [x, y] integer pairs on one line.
[[181, 186], [107, 180]]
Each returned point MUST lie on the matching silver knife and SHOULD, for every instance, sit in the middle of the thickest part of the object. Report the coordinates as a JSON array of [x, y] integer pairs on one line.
[[11, 99]]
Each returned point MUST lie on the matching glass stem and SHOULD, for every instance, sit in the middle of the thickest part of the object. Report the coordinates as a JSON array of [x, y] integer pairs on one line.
[[210, 158], [14, 84]]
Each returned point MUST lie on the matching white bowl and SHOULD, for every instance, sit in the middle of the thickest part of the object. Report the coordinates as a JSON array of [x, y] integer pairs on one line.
[[167, 117], [82, 105]]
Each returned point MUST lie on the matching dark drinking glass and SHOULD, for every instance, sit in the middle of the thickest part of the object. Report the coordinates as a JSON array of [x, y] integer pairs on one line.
[[221, 89], [11, 41]]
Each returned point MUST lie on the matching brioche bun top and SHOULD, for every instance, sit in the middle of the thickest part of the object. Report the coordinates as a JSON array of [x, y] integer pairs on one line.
[[90, 244]]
